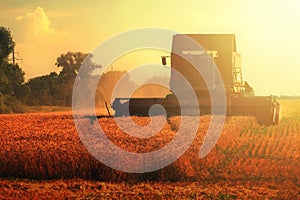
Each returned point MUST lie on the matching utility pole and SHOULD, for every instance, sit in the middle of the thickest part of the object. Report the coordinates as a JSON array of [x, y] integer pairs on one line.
[[14, 58]]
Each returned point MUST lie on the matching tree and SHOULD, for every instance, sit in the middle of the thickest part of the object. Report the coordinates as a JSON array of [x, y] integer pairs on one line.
[[7, 44], [12, 88], [71, 63], [44, 90]]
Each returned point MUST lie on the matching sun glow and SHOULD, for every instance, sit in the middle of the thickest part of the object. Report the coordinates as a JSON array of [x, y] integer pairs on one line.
[[267, 32]]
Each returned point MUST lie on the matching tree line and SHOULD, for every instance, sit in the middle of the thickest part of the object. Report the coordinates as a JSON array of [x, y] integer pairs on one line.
[[54, 89]]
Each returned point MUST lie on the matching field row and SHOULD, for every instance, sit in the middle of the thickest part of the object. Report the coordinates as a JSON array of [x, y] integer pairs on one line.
[[47, 146], [84, 189]]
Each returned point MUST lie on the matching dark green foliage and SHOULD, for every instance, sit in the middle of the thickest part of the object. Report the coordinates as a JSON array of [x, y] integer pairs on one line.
[[53, 89], [11, 78], [6, 44], [71, 63], [9, 104], [56, 89], [12, 89], [44, 90]]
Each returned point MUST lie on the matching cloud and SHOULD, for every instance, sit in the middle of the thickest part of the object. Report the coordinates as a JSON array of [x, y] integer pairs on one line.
[[39, 42], [35, 26]]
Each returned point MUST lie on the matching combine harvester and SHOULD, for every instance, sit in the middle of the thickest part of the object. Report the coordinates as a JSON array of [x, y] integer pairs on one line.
[[239, 95]]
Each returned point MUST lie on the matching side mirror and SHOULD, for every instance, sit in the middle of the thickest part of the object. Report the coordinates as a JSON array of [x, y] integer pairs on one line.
[[164, 60]]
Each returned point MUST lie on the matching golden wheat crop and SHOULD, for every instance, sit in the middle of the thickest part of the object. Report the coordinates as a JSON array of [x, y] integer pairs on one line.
[[247, 155]]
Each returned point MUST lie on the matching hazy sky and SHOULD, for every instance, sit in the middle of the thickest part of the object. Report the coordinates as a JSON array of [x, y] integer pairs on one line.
[[268, 32]]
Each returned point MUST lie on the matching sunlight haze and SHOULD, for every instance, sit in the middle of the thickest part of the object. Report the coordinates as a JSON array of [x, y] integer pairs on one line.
[[267, 32]]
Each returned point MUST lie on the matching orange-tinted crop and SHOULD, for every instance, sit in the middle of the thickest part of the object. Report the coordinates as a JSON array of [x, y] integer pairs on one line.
[[249, 160]]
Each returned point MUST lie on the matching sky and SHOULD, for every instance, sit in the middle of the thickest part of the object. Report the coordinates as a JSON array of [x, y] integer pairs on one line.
[[267, 32]]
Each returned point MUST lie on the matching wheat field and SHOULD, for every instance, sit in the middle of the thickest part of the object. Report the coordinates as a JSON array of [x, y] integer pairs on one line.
[[41, 156]]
